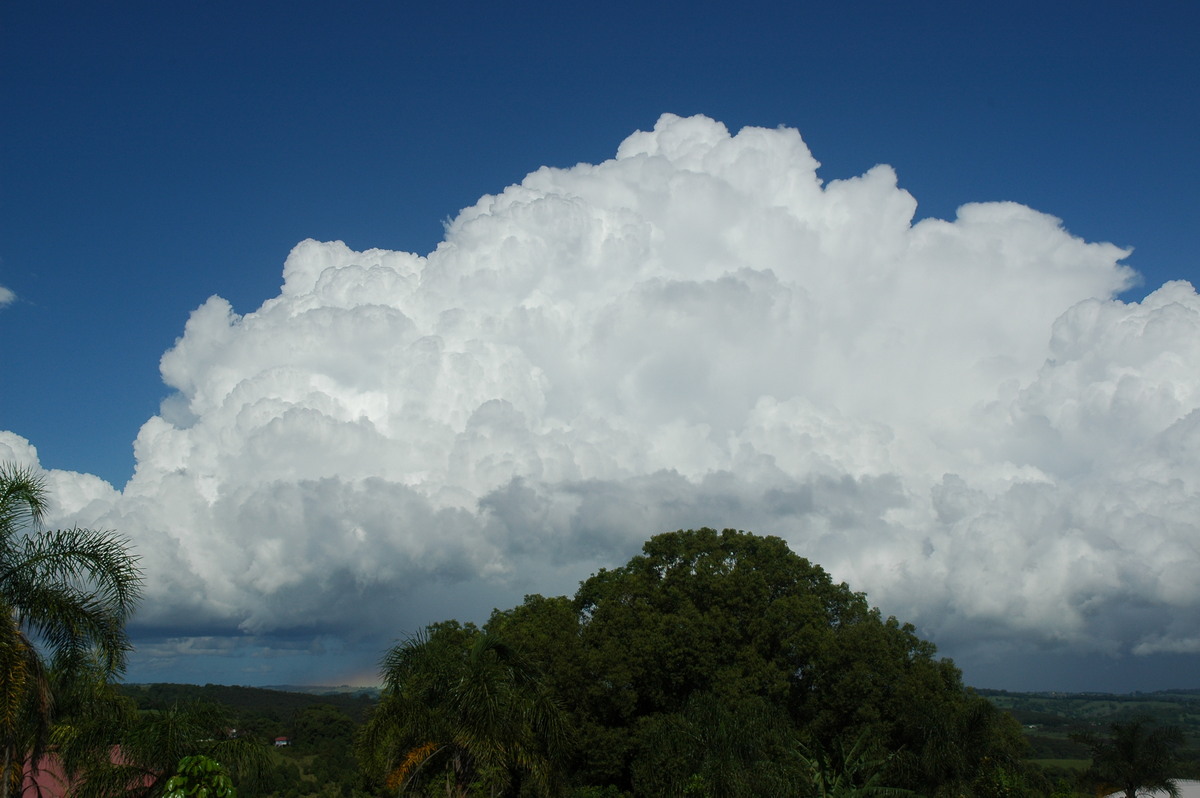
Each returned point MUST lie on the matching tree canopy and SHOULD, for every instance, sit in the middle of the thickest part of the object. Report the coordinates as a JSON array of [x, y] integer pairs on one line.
[[738, 624]]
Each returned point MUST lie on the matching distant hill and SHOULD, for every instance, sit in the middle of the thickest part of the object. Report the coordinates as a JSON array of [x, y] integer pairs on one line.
[[344, 689], [273, 704], [1095, 711]]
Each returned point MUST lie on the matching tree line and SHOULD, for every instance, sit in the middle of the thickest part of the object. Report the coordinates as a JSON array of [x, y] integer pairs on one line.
[[712, 664]]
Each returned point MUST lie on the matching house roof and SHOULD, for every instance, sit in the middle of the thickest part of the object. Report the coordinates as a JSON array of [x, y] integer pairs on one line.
[[49, 780]]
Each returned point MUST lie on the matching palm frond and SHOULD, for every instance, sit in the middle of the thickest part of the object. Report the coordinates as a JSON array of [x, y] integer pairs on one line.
[[469, 701], [96, 558], [23, 499], [75, 589]]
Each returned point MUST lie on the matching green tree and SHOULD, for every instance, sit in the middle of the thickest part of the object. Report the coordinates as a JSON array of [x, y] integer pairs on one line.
[[66, 595], [856, 771], [716, 749], [741, 618], [200, 776], [322, 729], [1134, 757], [323, 736], [958, 743], [547, 630], [463, 707]]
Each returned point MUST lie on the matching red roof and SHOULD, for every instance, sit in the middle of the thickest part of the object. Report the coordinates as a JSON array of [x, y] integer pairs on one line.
[[49, 780]]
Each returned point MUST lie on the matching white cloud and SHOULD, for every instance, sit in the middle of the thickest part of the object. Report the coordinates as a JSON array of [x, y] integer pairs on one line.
[[17, 450], [956, 416], [7, 297]]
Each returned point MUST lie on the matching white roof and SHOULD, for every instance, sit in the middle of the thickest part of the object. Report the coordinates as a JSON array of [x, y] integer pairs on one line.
[[1187, 789]]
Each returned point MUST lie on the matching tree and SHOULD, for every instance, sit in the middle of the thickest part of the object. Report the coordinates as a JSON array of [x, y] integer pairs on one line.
[[953, 744], [200, 776], [324, 735], [854, 772], [740, 618], [1135, 757], [66, 595], [716, 749], [462, 706]]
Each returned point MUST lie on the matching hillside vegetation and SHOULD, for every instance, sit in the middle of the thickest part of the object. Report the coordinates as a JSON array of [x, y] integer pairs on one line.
[[1051, 722]]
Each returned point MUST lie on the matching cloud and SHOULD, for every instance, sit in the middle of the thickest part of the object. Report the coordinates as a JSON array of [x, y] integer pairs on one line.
[[958, 417], [7, 297]]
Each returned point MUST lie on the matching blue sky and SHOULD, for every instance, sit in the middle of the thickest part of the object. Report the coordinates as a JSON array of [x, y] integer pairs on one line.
[[155, 154]]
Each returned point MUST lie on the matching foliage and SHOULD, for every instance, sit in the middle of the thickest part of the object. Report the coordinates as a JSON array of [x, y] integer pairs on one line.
[[65, 596], [608, 791], [743, 619], [463, 707], [961, 745], [1134, 757], [323, 745], [714, 748], [111, 748], [321, 726], [856, 771], [200, 777]]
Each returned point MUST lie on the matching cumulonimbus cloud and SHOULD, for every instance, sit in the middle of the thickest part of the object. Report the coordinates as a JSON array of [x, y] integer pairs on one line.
[[958, 417]]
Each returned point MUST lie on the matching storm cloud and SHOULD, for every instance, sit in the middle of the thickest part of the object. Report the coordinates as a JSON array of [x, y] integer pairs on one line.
[[958, 417]]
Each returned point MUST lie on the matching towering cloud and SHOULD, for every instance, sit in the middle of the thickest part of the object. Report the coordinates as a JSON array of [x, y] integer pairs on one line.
[[957, 417]]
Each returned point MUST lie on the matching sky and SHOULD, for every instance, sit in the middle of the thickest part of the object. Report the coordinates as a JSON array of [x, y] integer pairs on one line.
[[354, 317]]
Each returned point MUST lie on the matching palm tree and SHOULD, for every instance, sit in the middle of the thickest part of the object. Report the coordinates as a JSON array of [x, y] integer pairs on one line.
[[462, 707], [1135, 758], [66, 595]]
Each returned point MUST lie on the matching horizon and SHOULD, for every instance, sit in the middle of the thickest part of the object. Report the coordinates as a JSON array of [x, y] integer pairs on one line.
[[910, 288], [310, 688]]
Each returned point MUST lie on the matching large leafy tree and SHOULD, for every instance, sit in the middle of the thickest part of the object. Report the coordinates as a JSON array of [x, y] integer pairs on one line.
[[66, 595], [1135, 757], [742, 620], [464, 708]]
